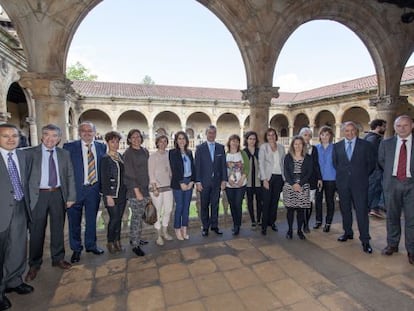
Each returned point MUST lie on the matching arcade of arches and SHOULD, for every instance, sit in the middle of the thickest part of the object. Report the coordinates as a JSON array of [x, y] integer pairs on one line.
[[34, 90]]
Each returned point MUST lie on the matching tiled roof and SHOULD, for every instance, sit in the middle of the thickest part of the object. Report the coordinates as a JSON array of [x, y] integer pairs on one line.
[[129, 90]]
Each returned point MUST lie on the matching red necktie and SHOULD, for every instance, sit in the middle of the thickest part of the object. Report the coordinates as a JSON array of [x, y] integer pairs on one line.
[[402, 162]]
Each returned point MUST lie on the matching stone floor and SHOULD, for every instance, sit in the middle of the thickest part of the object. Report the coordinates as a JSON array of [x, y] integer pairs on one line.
[[250, 272]]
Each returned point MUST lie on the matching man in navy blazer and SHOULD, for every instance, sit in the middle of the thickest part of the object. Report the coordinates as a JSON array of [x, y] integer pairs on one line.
[[211, 177], [354, 160], [87, 190], [398, 188]]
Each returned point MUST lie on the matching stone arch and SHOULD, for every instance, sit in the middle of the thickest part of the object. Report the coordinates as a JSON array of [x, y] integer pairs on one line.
[[198, 121], [358, 115], [132, 119], [18, 109], [301, 120], [167, 121], [280, 123], [227, 124], [98, 117], [324, 117]]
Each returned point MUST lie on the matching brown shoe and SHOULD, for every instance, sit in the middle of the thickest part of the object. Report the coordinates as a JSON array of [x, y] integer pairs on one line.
[[411, 258], [111, 247], [63, 264], [389, 250], [118, 247], [31, 275]]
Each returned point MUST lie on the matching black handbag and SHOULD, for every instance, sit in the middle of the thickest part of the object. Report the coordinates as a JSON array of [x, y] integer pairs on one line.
[[150, 214]]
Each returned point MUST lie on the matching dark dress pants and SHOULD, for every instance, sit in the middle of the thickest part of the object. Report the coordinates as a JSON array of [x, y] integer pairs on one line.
[[251, 193], [329, 188], [49, 203], [90, 198], [271, 200], [209, 198], [235, 197], [116, 213]]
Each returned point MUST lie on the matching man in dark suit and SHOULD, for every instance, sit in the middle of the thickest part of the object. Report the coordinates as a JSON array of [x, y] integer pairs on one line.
[[396, 158], [211, 177], [354, 161], [86, 155], [52, 190], [14, 214]]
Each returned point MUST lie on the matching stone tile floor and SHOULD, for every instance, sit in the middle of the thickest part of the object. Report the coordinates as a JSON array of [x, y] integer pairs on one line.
[[250, 272]]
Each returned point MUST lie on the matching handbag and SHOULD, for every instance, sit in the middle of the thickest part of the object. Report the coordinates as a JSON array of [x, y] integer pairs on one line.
[[150, 214]]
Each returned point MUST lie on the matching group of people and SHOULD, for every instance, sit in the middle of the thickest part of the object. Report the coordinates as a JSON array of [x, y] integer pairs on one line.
[[47, 181]]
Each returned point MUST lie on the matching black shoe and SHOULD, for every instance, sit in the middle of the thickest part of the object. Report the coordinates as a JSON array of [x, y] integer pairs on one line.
[[236, 230], [327, 228], [264, 232], [289, 235], [389, 250], [301, 235], [143, 242], [274, 227], [22, 289], [317, 225], [75, 257], [306, 229], [96, 251], [345, 237], [367, 248], [216, 230], [204, 232], [5, 303], [138, 251]]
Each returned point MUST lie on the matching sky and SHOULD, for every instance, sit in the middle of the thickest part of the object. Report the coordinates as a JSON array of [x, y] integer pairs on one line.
[[182, 43]]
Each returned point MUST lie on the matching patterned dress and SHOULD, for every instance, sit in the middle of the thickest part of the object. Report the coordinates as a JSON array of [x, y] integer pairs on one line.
[[292, 198]]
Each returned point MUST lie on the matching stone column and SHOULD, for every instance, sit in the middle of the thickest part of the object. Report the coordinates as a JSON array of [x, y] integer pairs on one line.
[[151, 139], [260, 98], [48, 91], [33, 130], [337, 131], [290, 132], [387, 109], [4, 117]]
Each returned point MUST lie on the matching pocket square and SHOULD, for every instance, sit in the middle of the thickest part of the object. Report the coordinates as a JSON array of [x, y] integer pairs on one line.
[[219, 155]]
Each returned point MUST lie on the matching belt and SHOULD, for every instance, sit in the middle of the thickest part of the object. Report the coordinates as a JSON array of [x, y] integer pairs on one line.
[[50, 189]]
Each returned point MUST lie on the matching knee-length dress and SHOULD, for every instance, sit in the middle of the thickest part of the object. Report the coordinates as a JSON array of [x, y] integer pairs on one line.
[[292, 198]]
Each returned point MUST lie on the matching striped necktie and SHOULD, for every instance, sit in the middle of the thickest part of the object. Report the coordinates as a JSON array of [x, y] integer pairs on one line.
[[14, 177], [91, 166]]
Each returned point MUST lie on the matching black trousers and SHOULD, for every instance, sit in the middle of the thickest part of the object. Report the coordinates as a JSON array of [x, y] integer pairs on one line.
[[49, 204], [115, 218], [209, 198], [253, 192], [271, 200], [329, 188]]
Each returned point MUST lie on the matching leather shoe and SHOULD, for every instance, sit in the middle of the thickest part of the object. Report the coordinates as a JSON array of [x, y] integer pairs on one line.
[[22, 289], [389, 250], [327, 228], [63, 264], [138, 251], [264, 232], [236, 230], [306, 229], [274, 227], [75, 257], [317, 225], [217, 230], [411, 258], [96, 251], [31, 275], [345, 237], [289, 235], [204, 232], [367, 248], [301, 235], [5, 303], [143, 242]]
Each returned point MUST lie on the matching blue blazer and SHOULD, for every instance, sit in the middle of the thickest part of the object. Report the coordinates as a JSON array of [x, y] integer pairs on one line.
[[75, 150], [210, 173], [355, 172]]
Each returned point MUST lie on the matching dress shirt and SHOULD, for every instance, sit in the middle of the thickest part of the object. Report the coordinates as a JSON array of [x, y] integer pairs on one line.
[[187, 165], [85, 161], [328, 171], [353, 140], [277, 170], [5, 155], [44, 180], [408, 144]]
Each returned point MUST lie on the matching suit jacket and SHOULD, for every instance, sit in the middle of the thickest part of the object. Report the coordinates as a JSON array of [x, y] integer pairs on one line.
[[177, 167], [386, 155], [306, 171], [7, 202], [355, 172], [266, 160], [75, 150], [66, 174], [210, 172]]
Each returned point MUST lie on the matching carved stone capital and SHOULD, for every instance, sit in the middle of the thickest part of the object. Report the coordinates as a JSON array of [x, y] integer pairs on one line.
[[4, 116], [260, 95], [388, 102]]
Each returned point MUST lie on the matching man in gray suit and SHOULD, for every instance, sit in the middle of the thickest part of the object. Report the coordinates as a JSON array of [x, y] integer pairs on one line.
[[52, 190], [14, 214], [396, 158]]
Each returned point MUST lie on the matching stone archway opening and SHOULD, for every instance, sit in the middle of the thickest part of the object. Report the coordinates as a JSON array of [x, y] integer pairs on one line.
[[281, 124], [99, 118], [167, 123], [324, 118], [301, 120], [18, 112], [198, 122], [129, 120], [227, 125], [361, 118]]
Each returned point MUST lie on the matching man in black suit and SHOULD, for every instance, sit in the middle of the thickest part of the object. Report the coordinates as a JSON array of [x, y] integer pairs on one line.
[[52, 190], [396, 158], [14, 214], [211, 177], [354, 160]]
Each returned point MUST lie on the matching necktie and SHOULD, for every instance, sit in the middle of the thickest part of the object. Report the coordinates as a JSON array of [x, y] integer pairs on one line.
[[349, 150], [91, 166], [52, 171], [402, 162], [211, 147], [14, 177]]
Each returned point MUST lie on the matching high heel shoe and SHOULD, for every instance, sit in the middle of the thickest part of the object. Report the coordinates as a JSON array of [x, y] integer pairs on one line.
[[327, 228], [289, 235], [301, 235], [317, 225]]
